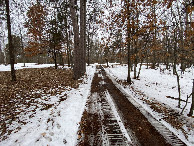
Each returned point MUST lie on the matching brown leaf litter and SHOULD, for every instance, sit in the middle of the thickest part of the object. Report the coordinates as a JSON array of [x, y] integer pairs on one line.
[[32, 84]]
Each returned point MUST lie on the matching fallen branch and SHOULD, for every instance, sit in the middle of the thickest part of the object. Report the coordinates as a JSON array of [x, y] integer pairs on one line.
[[176, 98]]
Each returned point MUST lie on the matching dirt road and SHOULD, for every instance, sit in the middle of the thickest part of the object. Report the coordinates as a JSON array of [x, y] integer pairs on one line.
[[111, 119]]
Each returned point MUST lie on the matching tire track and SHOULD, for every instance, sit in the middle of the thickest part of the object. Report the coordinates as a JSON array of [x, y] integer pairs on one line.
[[108, 112], [101, 126]]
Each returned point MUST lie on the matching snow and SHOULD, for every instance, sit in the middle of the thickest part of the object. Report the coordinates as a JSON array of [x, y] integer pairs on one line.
[[116, 114], [59, 124], [21, 66], [156, 85]]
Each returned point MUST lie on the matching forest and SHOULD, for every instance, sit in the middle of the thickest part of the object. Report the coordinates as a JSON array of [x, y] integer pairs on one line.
[[70, 68]]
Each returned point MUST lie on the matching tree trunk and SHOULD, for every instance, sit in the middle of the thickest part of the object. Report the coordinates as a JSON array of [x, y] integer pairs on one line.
[[135, 59], [5, 55], [167, 52], [55, 58], [129, 64], [68, 49], [192, 104], [77, 51], [181, 31], [129, 47], [140, 68], [107, 62], [154, 51], [147, 61], [83, 35], [67, 36], [136, 47], [89, 45], [179, 88], [11, 47], [175, 54], [23, 52]]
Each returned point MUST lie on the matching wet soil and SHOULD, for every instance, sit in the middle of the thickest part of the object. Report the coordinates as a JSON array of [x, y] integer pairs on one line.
[[93, 123]]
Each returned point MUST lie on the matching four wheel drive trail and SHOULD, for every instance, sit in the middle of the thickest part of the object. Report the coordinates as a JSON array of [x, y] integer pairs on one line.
[[113, 118]]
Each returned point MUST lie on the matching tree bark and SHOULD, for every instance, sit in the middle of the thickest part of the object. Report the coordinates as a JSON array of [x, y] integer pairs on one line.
[[147, 61], [179, 88], [23, 52], [175, 53], [129, 63], [136, 46], [11, 47], [68, 49], [77, 50], [129, 47], [89, 44], [67, 35], [5, 56], [192, 104], [55, 57], [83, 35]]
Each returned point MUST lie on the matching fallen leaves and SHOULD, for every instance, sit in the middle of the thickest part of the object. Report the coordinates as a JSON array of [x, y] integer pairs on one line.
[[31, 85], [43, 134]]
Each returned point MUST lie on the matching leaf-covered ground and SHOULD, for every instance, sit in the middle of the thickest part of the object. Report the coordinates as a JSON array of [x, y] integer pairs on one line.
[[32, 90]]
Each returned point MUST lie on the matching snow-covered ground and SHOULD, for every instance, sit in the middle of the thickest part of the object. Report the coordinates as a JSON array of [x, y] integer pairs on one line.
[[21, 66], [59, 124], [156, 85]]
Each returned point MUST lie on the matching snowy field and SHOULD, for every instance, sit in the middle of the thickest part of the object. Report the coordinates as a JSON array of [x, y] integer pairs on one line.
[[21, 66], [59, 124], [157, 85]]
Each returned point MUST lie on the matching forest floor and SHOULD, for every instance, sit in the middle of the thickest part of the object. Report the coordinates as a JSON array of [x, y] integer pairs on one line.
[[47, 107], [32, 90], [43, 107]]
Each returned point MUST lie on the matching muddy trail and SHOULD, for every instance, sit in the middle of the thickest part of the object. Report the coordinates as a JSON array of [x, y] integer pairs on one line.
[[111, 119]]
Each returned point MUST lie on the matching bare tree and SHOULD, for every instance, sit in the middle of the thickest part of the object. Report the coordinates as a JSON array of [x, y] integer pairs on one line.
[[77, 54], [11, 47], [192, 105], [79, 41], [83, 34], [128, 43]]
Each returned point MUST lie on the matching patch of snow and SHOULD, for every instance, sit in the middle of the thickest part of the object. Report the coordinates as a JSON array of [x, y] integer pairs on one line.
[[156, 85], [27, 65], [57, 125]]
